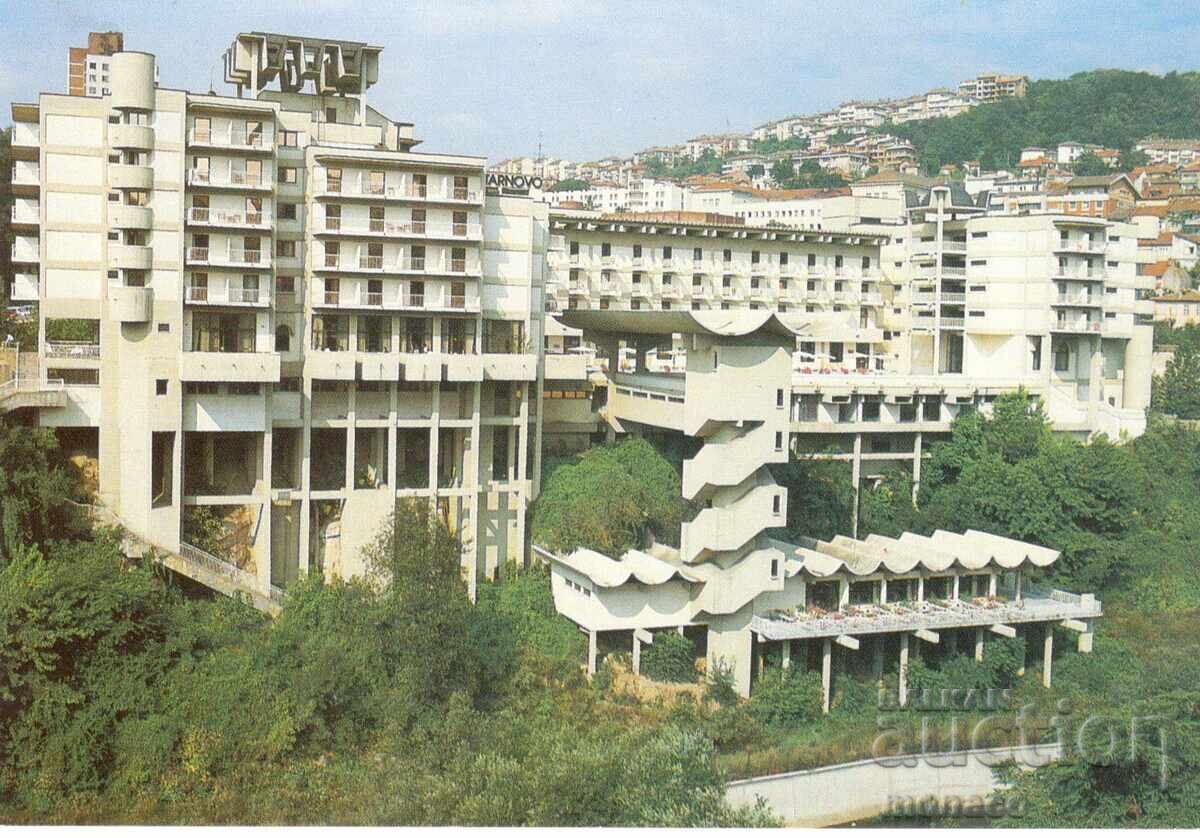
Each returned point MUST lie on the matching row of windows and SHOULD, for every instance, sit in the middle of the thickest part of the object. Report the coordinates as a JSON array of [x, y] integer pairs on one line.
[[726, 255]]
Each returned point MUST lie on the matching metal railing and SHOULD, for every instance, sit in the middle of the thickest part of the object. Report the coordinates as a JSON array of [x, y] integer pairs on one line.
[[72, 349]]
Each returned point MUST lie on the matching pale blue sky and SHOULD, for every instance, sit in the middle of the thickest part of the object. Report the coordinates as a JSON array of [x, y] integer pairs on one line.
[[612, 77]]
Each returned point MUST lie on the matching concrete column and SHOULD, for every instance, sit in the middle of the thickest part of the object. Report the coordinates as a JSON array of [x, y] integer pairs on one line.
[[826, 673], [787, 654], [1085, 638], [916, 470], [903, 670], [878, 663], [352, 397], [762, 659], [956, 586], [435, 421], [1047, 655], [1018, 586], [882, 591], [920, 589], [637, 653], [393, 409], [991, 584], [979, 644], [306, 477], [264, 529], [843, 593], [1024, 653], [362, 91], [856, 478], [591, 665], [680, 630], [952, 642]]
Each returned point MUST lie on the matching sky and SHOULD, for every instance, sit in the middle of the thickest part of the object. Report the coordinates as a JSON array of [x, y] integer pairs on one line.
[[589, 78]]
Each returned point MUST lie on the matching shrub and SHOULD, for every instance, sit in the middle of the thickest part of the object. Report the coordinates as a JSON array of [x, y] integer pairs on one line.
[[718, 684], [782, 697], [672, 657]]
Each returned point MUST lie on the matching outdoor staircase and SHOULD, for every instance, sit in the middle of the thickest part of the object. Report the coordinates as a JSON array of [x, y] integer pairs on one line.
[[200, 566], [18, 393]]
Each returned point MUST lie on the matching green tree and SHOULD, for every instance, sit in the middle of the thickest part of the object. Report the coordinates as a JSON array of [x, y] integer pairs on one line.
[[1088, 164], [1177, 390], [611, 499], [36, 490], [1131, 159], [782, 171], [570, 185]]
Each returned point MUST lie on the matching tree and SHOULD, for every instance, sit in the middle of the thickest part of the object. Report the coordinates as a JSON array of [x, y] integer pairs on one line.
[[782, 171], [1131, 159], [36, 490], [611, 499], [570, 185], [1177, 390], [1088, 164]]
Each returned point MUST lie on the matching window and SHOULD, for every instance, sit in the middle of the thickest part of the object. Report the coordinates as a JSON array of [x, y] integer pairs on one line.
[[164, 327], [333, 180], [283, 338], [160, 387], [1062, 358], [287, 212], [288, 174], [376, 183], [697, 253], [331, 115], [285, 248], [217, 332], [242, 388], [605, 249], [779, 440], [201, 388], [289, 139], [331, 333]]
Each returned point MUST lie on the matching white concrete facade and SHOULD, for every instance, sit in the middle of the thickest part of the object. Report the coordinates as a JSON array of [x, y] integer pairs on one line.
[[294, 314]]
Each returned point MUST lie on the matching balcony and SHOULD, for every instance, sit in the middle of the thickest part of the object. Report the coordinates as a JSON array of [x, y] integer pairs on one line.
[[25, 211], [25, 287], [232, 137], [731, 292], [232, 180], [139, 137], [671, 292], [407, 229], [123, 217], [26, 173], [953, 297], [1080, 246], [122, 176], [923, 297], [1075, 325], [953, 322], [641, 290], [1079, 300], [26, 249], [226, 295], [130, 304], [26, 135], [130, 257], [406, 192], [261, 367], [73, 350], [207, 217], [231, 257]]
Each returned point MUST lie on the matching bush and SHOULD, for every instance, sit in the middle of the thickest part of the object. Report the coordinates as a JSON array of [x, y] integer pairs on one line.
[[718, 684], [672, 657], [782, 697]]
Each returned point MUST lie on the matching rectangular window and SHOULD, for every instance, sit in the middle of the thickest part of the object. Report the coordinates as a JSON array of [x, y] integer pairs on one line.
[[288, 174]]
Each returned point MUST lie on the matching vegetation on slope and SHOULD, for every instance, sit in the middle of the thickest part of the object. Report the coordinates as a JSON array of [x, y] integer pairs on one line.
[[1112, 108]]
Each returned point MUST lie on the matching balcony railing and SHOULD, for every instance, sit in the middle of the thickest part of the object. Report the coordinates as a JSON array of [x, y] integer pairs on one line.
[[954, 297], [247, 257], [233, 295], [232, 137], [227, 218], [1078, 325], [72, 349], [372, 298], [370, 263], [198, 177], [953, 322]]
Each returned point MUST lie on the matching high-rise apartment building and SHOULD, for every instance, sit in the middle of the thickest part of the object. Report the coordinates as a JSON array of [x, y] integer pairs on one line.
[[88, 70], [269, 308]]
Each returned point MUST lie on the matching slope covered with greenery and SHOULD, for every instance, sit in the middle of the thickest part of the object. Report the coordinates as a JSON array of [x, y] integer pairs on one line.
[[1112, 108]]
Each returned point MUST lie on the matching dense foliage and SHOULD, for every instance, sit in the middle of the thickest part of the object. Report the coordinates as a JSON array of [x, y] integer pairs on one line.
[[1112, 108], [1177, 390], [610, 499], [389, 700], [672, 657]]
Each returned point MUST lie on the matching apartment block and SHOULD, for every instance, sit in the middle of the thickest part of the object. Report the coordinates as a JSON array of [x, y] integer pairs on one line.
[[744, 597], [269, 308]]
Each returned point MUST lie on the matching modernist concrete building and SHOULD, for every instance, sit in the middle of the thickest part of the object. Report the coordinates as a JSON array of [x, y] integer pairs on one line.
[[739, 592], [278, 310], [908, 317]]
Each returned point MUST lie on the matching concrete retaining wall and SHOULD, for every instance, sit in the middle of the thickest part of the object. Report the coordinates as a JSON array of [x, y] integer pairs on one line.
[[838, 794]]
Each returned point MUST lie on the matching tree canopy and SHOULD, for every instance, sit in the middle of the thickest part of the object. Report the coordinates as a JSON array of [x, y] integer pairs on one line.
[[1111, 108]]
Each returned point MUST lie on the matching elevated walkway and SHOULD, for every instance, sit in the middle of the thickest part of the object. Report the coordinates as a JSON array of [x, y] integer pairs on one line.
[[200, 566], [31, 393]]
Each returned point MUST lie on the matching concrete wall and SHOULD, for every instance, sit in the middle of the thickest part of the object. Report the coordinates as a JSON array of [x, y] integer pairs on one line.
[[838, 794]]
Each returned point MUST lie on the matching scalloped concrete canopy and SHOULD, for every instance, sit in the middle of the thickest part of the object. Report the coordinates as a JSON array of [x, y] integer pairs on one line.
[[715, 323]]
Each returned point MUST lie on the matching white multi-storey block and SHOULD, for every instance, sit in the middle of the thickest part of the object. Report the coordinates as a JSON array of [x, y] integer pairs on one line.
[[288, 315]]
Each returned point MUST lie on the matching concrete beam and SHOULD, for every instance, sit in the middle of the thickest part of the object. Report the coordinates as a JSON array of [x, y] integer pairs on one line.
[[1047, 655], [826, 674], [926, 635], [646, 637], [1074, 625], [1003, 630], [847, 641]]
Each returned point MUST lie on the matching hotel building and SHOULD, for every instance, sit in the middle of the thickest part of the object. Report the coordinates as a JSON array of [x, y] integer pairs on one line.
[[270, 306], [902, 322]]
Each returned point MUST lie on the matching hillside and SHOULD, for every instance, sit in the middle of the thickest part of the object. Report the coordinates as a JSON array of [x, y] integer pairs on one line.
[[1113, 108]]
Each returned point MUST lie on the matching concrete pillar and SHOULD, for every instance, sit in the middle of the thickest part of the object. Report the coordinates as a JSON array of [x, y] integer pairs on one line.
[[843, 593], [955, 586], [591, 665], [920, 589], [952, 642], [1018, 586], [856, 479], [826, 673], [1085, 639], [1024, 653], [1047, 655], [878, 663], [637, 653], [762, 659], [352, 397], [903, 696], [731, 644], [882, 591], [362, 91], [680, 630], [979, 644], [787, 654], [916, 470], [991, 584]]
